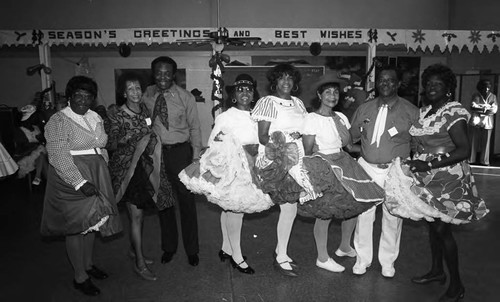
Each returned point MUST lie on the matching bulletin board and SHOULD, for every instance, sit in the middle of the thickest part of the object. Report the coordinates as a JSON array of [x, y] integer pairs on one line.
[[310, 75]]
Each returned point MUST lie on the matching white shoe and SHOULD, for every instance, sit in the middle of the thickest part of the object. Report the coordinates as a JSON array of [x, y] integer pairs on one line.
[[330, 265], [388, 272], [352, 253], [359, 269]]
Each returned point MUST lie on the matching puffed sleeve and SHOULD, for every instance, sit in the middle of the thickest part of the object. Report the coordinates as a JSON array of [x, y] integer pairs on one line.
[[264, 110], [456, 112], [57, 134], [310, 125]]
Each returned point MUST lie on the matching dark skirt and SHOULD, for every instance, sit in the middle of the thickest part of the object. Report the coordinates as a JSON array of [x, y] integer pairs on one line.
[[139, 188], [69, 212], [347, 189]]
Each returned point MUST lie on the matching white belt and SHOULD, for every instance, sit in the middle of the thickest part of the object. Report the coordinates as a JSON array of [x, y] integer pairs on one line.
[[86, 152], [330, 151]]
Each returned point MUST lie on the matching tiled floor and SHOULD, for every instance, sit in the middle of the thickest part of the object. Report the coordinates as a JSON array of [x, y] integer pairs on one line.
[[33, 268]]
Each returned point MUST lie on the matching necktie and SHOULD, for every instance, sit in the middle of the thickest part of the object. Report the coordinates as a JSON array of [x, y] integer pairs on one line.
[[161, 110], [379, 128]]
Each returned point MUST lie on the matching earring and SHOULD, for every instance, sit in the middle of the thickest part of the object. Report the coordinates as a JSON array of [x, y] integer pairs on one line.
[[295, 88], [273, 87], [234, 101], [448, 94]]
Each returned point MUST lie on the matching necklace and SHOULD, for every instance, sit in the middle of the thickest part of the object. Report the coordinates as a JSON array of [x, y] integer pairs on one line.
[[133, 110]]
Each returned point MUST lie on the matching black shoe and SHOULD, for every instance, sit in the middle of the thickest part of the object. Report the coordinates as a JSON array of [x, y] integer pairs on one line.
[[87, 287], [285, 272], [292, 263], [193, 259], [237, 266], [96, 273], [224, 256], [458, 296], [428, 278], [167, 257]]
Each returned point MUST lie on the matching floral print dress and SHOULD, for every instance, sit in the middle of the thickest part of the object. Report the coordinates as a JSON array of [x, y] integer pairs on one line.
[[448, 193]]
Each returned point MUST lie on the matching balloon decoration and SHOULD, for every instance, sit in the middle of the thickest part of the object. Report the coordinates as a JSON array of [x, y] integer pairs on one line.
[[124, 50], [315, 48]]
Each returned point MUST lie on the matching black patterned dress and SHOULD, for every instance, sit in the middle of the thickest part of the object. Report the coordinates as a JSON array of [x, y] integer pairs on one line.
[[136, 167]]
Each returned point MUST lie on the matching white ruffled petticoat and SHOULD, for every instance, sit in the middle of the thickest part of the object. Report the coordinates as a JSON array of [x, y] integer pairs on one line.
[[223, 175]]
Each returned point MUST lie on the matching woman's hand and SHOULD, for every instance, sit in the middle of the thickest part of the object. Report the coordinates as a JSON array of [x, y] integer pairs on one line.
[[296, 135], [418, 165], [88, 189]]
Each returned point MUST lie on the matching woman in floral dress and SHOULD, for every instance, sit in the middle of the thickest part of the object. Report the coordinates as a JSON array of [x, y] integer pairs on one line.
[[136, 170], [442, 177]]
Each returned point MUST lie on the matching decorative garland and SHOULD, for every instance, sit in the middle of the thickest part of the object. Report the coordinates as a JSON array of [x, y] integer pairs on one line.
[[216, 63]]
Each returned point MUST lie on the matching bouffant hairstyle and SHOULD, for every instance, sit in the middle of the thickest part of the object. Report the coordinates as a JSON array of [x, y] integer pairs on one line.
[[122, 85], [444, 73], [482, 84], [280, 70], [81, 83], [164, 59], [316, 102]]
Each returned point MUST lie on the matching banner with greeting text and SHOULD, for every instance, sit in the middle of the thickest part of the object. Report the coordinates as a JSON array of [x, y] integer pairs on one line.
[[413, 39]]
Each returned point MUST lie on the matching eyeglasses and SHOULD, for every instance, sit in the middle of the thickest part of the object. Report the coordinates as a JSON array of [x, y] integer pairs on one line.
[[244, 88], [83, 96]]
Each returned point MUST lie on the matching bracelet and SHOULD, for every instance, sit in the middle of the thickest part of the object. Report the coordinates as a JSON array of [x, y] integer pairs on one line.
[[429, 164]]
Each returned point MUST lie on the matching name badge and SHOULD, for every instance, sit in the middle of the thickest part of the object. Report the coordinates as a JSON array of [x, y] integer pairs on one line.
[[148, 121], [393, 131]]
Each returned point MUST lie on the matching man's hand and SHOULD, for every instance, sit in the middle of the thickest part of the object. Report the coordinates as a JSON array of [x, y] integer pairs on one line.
[[88, 189]]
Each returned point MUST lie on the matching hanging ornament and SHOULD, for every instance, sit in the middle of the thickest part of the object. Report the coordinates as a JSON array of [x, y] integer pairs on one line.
[[216, 63]]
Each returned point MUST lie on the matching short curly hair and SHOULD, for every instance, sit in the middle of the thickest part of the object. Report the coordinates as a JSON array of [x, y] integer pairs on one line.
[[81, 83], [278, 71], [166, 60], [444, 73], [482, 84], [122, 85]]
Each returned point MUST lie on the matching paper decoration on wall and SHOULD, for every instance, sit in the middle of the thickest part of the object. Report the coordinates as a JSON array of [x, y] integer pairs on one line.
[[413, 39], [83, 68]]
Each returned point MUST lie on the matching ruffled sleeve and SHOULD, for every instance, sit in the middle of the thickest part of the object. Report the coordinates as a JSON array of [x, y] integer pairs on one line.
[[310, 124], [454, 113], [264, 110]]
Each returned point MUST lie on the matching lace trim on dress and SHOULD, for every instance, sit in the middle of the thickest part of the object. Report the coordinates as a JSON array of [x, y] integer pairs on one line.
[[433, 123]]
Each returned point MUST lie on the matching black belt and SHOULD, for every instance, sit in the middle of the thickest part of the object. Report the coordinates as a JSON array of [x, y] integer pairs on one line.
[[173, 146], [380, 166]]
